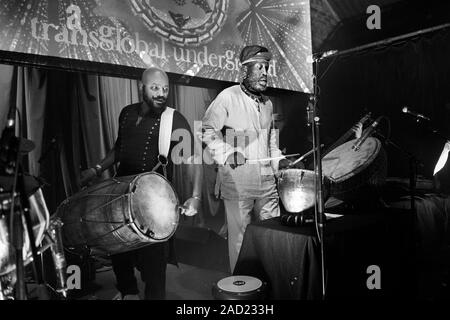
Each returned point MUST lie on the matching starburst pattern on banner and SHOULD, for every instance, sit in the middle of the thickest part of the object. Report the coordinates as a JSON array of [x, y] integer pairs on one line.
[[17, 28], [279, 26], [274, 24]]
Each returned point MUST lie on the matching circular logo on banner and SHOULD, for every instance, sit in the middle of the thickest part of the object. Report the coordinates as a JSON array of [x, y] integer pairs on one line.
[[182, 22]]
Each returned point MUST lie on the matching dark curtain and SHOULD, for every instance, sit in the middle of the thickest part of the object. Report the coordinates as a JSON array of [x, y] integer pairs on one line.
[[415, 73]]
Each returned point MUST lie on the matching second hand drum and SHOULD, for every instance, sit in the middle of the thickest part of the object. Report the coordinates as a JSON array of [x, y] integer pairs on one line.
[[297, 189], [121, 214], [350, 170]]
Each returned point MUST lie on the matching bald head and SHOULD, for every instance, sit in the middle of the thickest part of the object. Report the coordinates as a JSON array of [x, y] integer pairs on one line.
[[153, 74], [155, 88]]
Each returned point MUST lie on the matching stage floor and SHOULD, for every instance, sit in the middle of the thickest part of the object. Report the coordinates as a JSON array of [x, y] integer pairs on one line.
[[184, 282]]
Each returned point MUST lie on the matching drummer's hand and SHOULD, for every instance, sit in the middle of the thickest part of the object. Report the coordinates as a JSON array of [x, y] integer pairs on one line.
[[235, 160], [191, 206], [87, 175], [283, 164], [286, 163]]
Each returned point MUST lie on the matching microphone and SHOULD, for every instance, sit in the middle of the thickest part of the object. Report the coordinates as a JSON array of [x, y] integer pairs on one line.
[[320, 55], [327, 54], [59, 258], [366, 134], [415, 114]]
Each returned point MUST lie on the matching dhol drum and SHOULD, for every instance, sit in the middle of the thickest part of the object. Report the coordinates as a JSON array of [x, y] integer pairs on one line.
[[40, 220], [239, 288], [120, 214], [296, 188], [350, 171]]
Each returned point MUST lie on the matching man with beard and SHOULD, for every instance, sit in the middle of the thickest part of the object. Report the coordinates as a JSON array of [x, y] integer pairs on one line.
[[137, 149], [236, 130]]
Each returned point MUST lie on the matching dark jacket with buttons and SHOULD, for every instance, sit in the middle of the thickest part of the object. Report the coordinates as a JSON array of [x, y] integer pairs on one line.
[[136, 146]]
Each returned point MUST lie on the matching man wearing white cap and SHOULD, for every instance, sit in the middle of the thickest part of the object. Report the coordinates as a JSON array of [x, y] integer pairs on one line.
[[237, 132]]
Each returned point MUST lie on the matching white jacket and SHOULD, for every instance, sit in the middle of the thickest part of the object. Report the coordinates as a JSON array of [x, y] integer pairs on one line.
[[247, 131]]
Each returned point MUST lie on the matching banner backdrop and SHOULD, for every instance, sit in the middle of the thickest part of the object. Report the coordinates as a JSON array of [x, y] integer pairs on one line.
[[193, 37]]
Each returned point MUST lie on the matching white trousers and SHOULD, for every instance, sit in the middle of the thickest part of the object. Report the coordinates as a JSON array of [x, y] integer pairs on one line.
[[239, 215]]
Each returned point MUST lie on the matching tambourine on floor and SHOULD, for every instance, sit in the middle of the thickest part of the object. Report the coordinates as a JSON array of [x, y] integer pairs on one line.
[[240, 288]]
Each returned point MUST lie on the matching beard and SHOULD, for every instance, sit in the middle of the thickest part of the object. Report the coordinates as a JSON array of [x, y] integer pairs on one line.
[[155, 105], [256, 84]]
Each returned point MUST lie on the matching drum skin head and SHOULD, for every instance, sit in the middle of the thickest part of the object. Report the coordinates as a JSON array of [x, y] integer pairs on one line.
[[155, 205], [239, 288], [239, 284], [356, 175], [344, 162], [120, 214]]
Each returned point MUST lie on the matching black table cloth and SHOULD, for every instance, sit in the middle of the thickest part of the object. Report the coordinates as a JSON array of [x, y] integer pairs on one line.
[[288, 258]]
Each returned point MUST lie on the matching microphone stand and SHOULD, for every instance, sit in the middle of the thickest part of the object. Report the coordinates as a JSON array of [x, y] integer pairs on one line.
[[314, 122], [11, 157]]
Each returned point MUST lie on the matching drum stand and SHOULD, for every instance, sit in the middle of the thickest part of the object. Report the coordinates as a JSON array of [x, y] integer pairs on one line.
[[314, 122]]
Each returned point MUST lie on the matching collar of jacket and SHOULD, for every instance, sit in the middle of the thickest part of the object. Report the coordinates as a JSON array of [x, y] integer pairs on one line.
[[258, 98]]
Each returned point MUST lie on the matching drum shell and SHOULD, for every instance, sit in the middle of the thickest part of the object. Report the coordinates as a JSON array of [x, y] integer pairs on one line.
[[363, 179], [296, 188], [106, 217]]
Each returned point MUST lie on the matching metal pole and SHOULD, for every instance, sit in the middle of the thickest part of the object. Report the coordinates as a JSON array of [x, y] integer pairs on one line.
[[314, 121], [387, 41]]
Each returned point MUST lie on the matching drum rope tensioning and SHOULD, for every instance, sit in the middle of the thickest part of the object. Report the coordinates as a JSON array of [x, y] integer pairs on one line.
[[121, 214]]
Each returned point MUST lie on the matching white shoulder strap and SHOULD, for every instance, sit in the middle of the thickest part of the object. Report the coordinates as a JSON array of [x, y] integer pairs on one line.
[[165, 131]]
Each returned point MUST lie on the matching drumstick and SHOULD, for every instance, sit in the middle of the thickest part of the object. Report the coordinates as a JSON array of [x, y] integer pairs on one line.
[[305, 155], [274, 158]]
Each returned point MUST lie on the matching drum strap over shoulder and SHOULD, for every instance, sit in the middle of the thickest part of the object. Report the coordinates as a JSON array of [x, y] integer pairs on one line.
[[165, 134]]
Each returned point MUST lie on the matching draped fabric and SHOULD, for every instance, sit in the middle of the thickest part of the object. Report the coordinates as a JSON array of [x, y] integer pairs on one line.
[[432, 219], [30, 100], [115, 93], [192, 102], [31, 103]]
